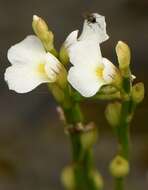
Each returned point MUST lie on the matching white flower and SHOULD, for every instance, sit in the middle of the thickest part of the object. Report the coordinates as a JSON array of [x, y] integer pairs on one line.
[[31, 65], [90, 71]]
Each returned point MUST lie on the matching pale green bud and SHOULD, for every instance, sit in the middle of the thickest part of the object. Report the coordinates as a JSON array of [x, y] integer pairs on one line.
[[57, 92], [62, 77], [98, 180], [138, 92], [112, 113], [44, 34], [119, 167], [68, 178], [64, 58], [89, 138], [39, 25], [123, 54], [108, 89], [124, 57]]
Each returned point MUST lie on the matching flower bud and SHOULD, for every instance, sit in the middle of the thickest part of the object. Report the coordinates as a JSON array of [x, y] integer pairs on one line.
[[138, 92], [123, 54], [124, 57], [98, 180], [112, 113], [89, 138], [119, 167], [108, 89], [44, 34], [68, 178], [62, 77], [64, 58], [57, 92], [39, 25]]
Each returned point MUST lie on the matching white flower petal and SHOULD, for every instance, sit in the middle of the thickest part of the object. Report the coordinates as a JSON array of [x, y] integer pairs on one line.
[[109, 70], [85, 53], [84, 80], [95, 31], [22, 79], [86, 49], [71, 39], [29, 51], [52, 66]]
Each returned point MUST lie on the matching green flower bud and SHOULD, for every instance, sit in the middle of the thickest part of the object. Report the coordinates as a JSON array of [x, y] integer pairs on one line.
[[89, 138], [39, 26], [124, 57], [57, 92], [62, 77], [108, 89], [138, 92], [64, 58], [44, 34], [123, 54], [112, 113], [119, 167], [98, 180], [68, 178]]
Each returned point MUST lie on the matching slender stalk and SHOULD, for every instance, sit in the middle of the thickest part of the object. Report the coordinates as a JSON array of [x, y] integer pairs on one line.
[[123, 128], [82, 158], [119, 184], [123, 139]]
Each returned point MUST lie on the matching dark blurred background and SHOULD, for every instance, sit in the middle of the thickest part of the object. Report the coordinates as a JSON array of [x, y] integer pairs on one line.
[[33, 147]]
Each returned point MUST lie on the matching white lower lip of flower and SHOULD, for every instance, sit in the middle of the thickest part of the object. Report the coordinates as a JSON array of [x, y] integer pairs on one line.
[[31, 65], [88, 80]]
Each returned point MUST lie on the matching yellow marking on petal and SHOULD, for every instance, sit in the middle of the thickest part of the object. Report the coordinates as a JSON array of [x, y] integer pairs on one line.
[[41, 68], [99, 71]]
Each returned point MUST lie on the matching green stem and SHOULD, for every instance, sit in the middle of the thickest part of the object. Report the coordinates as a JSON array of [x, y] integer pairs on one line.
[[123, 139], [119, 185], [82, 158], [123, 128]]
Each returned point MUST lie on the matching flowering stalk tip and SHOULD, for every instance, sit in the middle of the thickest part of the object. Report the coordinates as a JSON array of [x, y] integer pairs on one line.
[[34, 61]]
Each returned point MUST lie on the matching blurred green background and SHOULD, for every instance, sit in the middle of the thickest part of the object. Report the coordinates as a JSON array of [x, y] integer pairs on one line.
[[33, 147]]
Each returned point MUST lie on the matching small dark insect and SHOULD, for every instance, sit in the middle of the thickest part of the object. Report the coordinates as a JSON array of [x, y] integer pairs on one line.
[[90, 18]]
